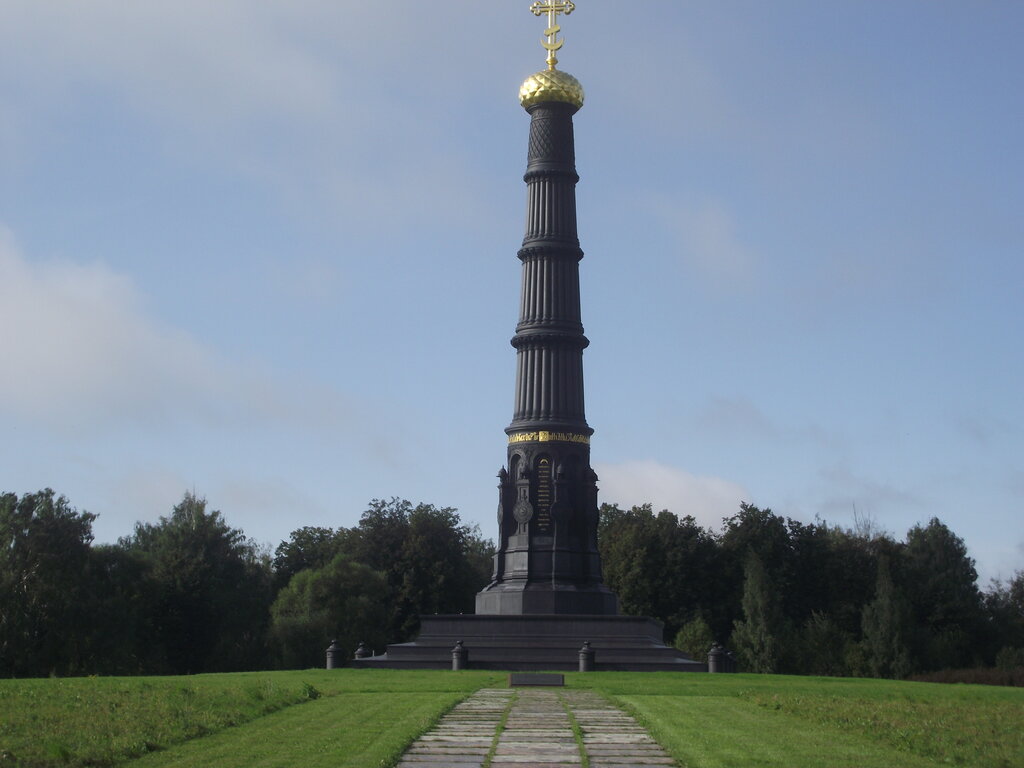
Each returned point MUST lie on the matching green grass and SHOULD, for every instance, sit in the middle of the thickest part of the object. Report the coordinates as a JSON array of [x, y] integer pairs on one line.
[[103, 721], [577, 734], [366, 718], [502, 723], [708, 721], [353, 730]]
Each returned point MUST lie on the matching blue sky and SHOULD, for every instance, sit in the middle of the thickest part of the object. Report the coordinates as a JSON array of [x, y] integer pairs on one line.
[[266, 251]]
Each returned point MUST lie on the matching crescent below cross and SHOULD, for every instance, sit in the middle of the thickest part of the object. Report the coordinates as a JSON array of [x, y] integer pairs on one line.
[[552, 8]]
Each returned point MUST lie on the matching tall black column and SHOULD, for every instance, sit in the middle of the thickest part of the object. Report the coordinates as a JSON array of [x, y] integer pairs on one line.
[[549, 337], [546, 598], [547, 560]]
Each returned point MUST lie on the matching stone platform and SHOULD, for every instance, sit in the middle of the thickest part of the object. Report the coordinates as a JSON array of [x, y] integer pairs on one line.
[[536, 642], [530, 728]]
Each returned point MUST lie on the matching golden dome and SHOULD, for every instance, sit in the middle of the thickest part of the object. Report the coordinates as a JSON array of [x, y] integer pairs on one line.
[[551, 85]]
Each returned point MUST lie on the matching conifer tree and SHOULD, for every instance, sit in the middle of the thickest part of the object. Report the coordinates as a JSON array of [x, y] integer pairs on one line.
[[884, 625], [757, 640]]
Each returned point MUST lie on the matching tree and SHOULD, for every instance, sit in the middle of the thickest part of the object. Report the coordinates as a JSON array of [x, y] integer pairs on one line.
[[120, 601], [634, 558], [438, 574], [884, 623], [433, 562], [211, 589], [941, 585], [758, 639], [1004, 607], [340, 601], [824, 647], [44, 548], [765, 534], [307, 547], [831, 573], [695, 638], [659, 565]]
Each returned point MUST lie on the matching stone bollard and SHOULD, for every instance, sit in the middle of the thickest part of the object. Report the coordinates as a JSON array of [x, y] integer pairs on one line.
[[586, 657], [460, 657], [362, 651], [333, 655], [716, 658], [720, 660]]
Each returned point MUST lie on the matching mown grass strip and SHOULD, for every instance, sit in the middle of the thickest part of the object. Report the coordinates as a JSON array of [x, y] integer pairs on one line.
[[500, 730], [350, 730], [104, 721], [716, 732], [957, 731], [577, 733], [431, 723], [774, 720]]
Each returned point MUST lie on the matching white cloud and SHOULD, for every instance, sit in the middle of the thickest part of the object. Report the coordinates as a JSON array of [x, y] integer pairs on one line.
[[80, 351], [214, 61], [708, 499], [299, 99]]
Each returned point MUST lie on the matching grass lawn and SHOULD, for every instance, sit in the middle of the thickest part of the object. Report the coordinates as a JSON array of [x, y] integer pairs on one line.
[[356, 717], [709, 721], [365, 719], [354, 730]]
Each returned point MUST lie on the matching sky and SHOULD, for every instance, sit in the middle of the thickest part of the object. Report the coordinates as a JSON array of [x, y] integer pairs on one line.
[[266, 252]]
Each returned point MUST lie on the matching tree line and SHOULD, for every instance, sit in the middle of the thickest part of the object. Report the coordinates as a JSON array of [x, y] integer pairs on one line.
[[189, 593], [813, 598]]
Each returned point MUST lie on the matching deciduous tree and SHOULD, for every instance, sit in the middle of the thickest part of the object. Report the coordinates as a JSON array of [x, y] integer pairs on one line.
[[432, 561], [659, 565], [307, 547], [212, 589], [694, 638], [44, 548], [341, 601], [941, 585]]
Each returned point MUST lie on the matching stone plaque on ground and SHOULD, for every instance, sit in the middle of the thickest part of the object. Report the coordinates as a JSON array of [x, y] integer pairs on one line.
[[526, 678]]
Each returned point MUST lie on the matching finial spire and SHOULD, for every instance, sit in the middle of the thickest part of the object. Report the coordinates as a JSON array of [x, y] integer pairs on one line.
[[552, 8]]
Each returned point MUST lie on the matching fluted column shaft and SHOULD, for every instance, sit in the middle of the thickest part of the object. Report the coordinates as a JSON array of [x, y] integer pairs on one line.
[[549, 336]]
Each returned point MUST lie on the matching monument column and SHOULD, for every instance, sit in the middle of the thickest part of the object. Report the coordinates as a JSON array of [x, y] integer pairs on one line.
[[546, 598], [547, 560]]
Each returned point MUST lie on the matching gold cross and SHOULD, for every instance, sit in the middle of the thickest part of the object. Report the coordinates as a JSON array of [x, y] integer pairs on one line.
[[552, 8]]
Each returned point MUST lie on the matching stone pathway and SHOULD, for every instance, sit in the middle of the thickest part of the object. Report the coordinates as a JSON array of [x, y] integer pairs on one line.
[[464, 736], [537, 733]]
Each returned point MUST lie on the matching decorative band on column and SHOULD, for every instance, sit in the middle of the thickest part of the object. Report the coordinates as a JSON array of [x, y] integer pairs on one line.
[[544, 436]]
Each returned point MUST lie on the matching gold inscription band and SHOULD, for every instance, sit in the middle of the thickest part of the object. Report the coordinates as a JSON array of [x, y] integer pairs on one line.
[[543, 436]]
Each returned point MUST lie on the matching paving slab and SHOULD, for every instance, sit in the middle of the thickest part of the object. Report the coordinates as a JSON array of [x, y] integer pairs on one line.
[[537, 733]]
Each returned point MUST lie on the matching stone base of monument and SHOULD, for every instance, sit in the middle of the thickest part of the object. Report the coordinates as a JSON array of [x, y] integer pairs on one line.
[[536, 642], [510, 598]]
